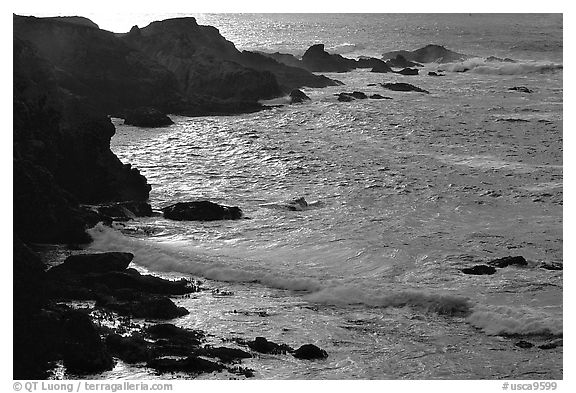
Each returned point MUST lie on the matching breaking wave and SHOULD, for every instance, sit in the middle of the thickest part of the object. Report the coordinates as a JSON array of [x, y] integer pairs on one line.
[[179, 258], [481, 66], [507, 320]]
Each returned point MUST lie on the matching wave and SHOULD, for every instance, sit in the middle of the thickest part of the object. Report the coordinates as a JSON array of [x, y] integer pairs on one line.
[[481, 66], [443, 304], [182, 258], [507, 320], [344, 48]]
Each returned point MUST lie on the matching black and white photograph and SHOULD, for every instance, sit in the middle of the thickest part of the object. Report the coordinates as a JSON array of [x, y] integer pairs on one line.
[[287, 196]]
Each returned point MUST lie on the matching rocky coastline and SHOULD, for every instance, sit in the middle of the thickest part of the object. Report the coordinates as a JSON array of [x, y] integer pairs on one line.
[[70, 77]]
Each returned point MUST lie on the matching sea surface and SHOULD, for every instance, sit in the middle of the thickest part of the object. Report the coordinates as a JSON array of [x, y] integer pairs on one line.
[[402, 194]]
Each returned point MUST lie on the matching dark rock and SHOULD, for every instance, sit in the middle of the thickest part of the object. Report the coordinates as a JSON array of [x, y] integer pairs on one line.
[[44, 212], [479, 270], [310, 351], [76, 20], [400, 62], [507, 261], [143, 306], [379, 97], [552, 344], [201, 211], [432, 73], [132, 280], [316, 59], [462, 70], [345, 97], [29, 349], [371, 62], [122, 211], [147, 117], [83, 350], [428, 54], [173, 332], [260, 344], [296, 204], [289, 76], [524, 344], [191, 364], [514, 120], [203, 62], [522, 89], [492, 59], [298, 96], [408, 71], [62, 150], [284, 58], [551, 266], [225, 355], [403, 87], [95, 263], [382, 68], [132, 349], [359, 95]]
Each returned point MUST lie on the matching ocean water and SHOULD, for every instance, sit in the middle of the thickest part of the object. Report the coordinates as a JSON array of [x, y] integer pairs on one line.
[[402, 194]]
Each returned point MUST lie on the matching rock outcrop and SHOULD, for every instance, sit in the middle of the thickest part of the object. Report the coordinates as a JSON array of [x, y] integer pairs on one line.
[[62, 154], [316, 59], [297, 96], [201, 211], [428, 54], [147, 117]]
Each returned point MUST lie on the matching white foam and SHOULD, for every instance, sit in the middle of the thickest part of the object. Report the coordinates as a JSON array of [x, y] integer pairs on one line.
[[522, 320], [481, 66], [445, 304], [166, 257]]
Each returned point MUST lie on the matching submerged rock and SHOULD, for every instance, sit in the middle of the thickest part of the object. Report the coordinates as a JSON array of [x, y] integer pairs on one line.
[[552, 344], [225, 355], [522, 89], [403, 87], [298, 96], [310, 351], [147, 117], [408, 71], [379, 97], [551, 266], [507, 261], [492, 59], [345, 97], [524, 344], [190, 364], [479, 270], [432, 73], [201, 211]]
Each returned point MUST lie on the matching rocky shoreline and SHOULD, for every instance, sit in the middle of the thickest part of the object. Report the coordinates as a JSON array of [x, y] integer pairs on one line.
[[69, 78]]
